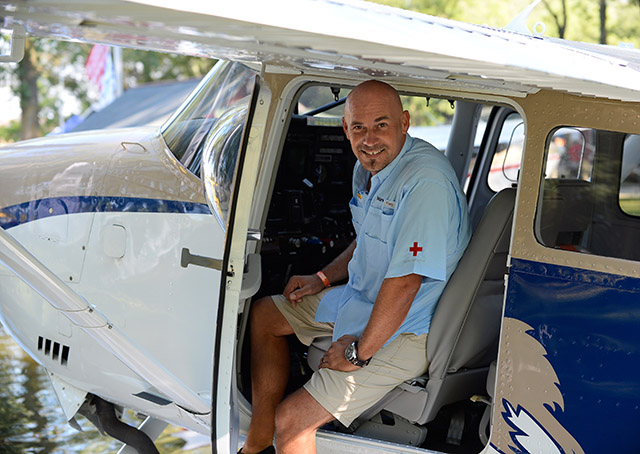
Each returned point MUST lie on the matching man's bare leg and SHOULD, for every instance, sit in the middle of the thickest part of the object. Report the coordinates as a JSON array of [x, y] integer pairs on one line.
[[269, 371], [297, 420]]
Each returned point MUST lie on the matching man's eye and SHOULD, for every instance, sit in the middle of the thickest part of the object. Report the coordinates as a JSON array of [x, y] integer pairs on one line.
[[382, 125]]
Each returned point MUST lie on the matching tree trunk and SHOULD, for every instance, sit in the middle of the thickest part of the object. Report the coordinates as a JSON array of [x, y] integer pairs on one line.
[[603, 21], [29, 96], [559, 18]]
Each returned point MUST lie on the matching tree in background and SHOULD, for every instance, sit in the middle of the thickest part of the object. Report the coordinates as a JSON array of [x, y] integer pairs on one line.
[[52, 72], [38, 81], [594, 21], [27, 73], [142, 66], [603, 21], [559, 18]]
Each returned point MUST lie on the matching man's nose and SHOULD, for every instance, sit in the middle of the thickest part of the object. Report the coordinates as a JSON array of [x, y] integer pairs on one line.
[[370, 137]]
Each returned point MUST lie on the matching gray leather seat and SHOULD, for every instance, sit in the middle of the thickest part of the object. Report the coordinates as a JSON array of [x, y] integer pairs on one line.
[[463, 340]]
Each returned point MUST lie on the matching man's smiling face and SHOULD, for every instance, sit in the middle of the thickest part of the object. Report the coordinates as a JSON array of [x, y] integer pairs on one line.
[[375, 124]]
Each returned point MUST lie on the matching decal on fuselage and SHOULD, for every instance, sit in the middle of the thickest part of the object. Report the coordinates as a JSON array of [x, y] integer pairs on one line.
[[529, 394], [56, 206]]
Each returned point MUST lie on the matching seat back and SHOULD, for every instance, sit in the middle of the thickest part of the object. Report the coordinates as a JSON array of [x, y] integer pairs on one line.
[[466, 324], [463, 339]]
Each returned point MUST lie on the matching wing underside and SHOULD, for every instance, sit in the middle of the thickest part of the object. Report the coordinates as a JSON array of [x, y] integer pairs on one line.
[[350, 38]]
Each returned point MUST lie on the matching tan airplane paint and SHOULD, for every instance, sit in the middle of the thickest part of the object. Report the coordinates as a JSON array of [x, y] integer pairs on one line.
[[526, 378], [542, 114]]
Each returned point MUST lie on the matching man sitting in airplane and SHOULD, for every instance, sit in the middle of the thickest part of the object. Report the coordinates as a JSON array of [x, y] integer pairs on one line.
[[410, 217]]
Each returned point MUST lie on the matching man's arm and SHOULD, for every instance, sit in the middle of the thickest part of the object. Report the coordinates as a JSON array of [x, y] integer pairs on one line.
[[337, 270], [389, 311]]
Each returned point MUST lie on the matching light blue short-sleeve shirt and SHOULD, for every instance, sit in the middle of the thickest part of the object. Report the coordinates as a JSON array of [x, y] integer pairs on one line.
[[413, 219]]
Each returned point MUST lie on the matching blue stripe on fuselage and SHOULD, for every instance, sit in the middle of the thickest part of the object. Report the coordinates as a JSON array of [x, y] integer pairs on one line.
[[589, 324], [38, 209]]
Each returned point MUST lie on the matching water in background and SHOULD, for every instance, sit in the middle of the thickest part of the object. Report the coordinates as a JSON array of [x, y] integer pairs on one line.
[[31, 421]]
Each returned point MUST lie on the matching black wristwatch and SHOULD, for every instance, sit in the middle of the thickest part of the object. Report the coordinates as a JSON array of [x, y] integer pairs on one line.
[[351, 353]]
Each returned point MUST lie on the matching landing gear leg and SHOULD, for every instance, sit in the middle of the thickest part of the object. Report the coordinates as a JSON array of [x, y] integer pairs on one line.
[[130, 436]]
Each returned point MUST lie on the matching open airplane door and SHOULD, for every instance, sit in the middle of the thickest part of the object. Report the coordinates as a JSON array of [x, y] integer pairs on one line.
[[229, 171]]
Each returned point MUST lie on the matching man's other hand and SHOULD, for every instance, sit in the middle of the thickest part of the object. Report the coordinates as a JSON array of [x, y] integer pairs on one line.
[[299, 286], [335, 359]]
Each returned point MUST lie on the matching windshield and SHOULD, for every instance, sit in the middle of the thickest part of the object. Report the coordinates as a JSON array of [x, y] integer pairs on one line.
[[227, 84]]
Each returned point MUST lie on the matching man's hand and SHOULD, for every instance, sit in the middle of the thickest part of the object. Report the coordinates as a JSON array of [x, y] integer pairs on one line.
[[299, 286], [335, 359]]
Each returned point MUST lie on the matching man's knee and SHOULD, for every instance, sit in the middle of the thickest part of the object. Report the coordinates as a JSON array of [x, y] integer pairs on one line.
[[286, 422], [298, 418], [265, 316]]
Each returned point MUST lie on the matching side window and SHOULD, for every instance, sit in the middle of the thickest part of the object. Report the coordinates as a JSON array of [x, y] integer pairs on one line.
[[570, 154], [505, 165], [590, 175], [629, 195]]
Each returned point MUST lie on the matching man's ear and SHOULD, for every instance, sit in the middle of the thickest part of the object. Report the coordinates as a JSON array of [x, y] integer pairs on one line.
[[406, 121], [345, 128]]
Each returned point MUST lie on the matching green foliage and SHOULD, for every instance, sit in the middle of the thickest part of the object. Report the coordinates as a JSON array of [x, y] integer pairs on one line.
[[10, 133], [142, 66], [582, 19], [439, 111], [442, 8], [61, 77]]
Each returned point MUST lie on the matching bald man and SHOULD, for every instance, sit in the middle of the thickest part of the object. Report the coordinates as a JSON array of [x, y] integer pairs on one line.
[[410, 218]]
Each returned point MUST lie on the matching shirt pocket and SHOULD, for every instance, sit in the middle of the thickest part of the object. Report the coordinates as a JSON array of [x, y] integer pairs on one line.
[[377, 222], [375, 235], [357, 214]]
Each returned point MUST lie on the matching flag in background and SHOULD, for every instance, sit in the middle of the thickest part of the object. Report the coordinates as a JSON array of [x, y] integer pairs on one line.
[[100, 72]]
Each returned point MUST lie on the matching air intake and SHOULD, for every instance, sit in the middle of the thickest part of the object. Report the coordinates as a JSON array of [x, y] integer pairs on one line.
[[55, 350]]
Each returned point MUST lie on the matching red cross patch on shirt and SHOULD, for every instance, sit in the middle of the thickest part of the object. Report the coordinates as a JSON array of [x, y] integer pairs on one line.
[[415, 248]]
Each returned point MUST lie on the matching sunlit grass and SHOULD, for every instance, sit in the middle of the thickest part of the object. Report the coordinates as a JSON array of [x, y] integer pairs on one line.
[[630, 206]]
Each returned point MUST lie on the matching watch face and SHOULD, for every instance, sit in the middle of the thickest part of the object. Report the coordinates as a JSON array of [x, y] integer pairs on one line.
[[350, 352]]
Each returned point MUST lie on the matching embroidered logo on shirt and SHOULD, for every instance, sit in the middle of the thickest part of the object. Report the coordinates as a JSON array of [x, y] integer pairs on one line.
[[389, 204], [415, 249]]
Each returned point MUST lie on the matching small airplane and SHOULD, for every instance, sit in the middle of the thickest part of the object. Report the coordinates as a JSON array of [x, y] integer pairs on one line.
[[129, 257]]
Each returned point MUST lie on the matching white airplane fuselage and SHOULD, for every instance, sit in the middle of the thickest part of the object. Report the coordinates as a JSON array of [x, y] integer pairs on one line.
[[112, 226]]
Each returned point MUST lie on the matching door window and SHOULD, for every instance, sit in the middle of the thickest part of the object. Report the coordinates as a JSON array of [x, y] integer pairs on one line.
[[590, 187], [629, 194]]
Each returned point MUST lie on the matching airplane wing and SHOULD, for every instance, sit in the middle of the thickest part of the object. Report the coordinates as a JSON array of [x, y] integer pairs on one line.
[[340, 37]]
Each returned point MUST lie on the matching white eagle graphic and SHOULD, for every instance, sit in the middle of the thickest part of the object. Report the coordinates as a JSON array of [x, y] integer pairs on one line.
[[527, 387]]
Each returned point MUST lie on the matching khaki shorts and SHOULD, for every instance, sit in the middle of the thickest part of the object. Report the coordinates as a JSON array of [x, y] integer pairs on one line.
[[346, 395]]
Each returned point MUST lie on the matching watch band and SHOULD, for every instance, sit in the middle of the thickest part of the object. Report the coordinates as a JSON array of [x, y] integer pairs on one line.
[[353, 358], [324, 279]]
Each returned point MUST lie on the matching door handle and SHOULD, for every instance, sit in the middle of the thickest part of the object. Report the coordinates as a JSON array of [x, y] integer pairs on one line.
[[188, 258]]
